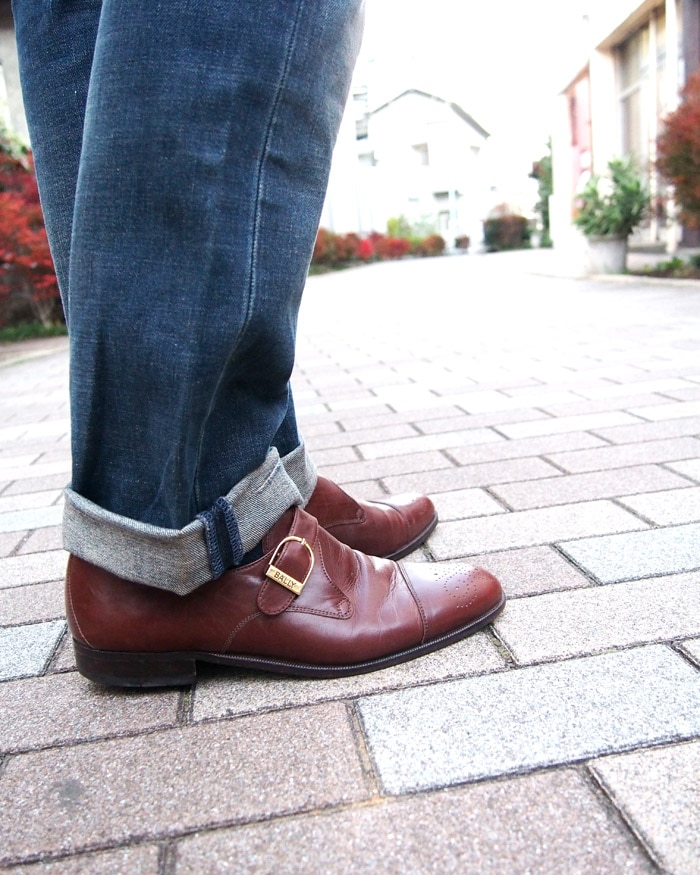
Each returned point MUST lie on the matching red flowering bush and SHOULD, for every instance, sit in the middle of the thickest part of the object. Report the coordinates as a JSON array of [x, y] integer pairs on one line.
[[678, 148], [338, 250], [28, 285]]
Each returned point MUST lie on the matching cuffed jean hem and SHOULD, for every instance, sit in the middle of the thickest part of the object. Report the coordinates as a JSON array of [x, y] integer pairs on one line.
[[180, 560]]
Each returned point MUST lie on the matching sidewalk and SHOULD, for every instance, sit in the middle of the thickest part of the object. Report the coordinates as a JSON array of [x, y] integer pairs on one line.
[[556, 424]]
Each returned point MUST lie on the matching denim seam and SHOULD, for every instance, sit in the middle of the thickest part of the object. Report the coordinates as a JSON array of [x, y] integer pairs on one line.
[[256, 221], [234, 534]]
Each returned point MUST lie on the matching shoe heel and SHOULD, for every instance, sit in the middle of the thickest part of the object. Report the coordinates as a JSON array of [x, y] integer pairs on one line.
[[134, 669]]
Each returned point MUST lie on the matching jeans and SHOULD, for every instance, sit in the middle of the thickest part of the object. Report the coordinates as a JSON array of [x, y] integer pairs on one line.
[[182, 150]]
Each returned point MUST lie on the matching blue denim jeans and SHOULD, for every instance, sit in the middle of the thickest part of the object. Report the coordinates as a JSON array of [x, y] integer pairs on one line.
[[183, 151]]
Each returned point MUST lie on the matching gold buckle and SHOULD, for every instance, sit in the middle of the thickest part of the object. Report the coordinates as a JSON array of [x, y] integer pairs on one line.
[[286, 580]]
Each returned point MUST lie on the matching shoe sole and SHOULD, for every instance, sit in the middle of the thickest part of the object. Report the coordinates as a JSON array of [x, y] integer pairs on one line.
[[114, 669], [416, 542]]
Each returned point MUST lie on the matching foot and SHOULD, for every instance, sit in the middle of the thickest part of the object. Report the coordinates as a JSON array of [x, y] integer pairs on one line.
[[391, 528], [346, 613]]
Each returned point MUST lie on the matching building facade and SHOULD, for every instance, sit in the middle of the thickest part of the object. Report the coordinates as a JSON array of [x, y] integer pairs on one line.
[[637, 58]]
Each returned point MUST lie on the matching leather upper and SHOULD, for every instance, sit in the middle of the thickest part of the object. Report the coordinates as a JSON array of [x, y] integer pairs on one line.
[[352, 608]]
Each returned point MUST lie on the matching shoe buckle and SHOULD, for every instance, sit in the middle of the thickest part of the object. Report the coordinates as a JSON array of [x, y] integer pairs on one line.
[[281, 577]]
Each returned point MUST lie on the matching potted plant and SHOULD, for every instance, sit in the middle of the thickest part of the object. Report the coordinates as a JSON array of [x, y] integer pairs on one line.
[[609, 208]]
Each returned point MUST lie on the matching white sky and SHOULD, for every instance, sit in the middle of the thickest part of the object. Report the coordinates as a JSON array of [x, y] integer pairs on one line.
[[503, 61]]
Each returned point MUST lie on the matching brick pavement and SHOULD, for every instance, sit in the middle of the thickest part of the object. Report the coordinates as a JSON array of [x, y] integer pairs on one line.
[[556, 422]]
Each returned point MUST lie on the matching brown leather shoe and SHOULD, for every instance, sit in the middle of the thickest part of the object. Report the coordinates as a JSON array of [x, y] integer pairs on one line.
[[310, 607], [391, 528]]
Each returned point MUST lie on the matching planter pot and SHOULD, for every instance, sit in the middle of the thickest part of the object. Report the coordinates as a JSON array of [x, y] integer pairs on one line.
[[606, 254]]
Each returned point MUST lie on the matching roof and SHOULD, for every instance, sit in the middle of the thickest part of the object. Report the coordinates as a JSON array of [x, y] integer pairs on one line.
[[455, 107]]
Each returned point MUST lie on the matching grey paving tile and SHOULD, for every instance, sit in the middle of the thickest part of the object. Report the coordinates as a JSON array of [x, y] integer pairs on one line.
[[66, 708], [487, 401], [526, 528], [690, 468], [562, 424], [29, 500], [49, 469], [10, 462], [670, 410], [532, 570], [447, 480], [473, 420], [659, 793], [20, 520], [26, 650], [64, 658], [692, 649], [547, 824], [112, 792], [463, 503], [638, 554], [43, 540], [533, 446], [626, 456], [360, 436], [380, 468], [32, 603], [532, 717], [628, 386], [141, 860], [599, 405], [33, 568], [669, 507], [651, 431], [232, 694], [586, 487], [9, 541], [577, 622], [438, 440], [38, 484]]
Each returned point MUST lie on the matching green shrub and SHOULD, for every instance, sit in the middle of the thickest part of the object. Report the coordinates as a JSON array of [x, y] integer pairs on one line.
[[506, 232]]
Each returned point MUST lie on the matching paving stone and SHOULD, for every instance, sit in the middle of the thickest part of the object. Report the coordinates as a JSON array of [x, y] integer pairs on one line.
[[33, 568], [690, 468], [37, 484], [670, 507], [488, 401], [528, 718], [141, 860], [559, 425], [599, 405], [586, 487], [32, 603], [639, 385], [547, 824], [24, 472], [526, 528], [19, 520], [64, 658], [9, 542], [380, 468], [532, 570], [692, 649], [66, 708], [437, 441], [563, 624], [447, 480], [463, 503], [43, 540], [25, 651], [640, 554], [28, 431], [360, 436], [25, 501], [222, 695], [533, 446], [469, 420], [13, 461], [673, 410], [650, 452], [651, 431], [659, 793], [165, 783]]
